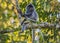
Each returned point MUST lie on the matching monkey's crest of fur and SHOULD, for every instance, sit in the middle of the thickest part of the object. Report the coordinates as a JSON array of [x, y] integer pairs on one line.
[[30, 5]]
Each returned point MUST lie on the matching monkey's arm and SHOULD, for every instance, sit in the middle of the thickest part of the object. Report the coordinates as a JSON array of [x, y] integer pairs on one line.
[[30, 19], [28, 14], [33, 17]]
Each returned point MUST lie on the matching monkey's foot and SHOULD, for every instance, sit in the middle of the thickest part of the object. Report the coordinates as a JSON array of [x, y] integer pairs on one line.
[[21, 32]]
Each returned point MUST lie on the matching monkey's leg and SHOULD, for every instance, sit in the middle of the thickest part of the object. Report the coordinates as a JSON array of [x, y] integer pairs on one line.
[[23, 21], [24, 27]]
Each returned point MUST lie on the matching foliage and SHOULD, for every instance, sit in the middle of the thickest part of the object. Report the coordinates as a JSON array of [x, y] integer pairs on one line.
[[9, 20]]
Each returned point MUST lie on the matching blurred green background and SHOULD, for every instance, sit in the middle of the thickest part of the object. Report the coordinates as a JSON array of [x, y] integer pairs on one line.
[[47, 11]]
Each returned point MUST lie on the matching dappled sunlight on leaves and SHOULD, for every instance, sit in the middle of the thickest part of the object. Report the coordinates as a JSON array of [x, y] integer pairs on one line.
[[3, 5], [9, 21], [29, 39], [10, 6], [5, 25]]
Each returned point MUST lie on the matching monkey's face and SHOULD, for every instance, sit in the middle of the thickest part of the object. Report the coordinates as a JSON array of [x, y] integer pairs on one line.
[[31, 9]]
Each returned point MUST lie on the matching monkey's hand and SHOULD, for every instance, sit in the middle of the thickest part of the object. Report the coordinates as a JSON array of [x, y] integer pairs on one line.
[[32, 20]]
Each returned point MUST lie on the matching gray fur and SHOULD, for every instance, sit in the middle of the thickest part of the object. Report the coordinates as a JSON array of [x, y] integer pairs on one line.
[[30, 15]]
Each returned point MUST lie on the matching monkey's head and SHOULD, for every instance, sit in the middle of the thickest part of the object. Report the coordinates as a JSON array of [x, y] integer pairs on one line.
[[30, 7]]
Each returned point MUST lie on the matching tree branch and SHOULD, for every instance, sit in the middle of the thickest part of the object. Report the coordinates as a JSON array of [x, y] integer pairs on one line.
[[36, 26], [18, 9], [45, 25]]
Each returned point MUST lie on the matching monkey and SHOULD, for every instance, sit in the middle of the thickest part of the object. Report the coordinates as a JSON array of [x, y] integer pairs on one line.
[[30, 14]]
